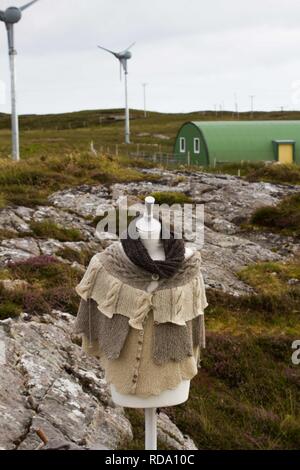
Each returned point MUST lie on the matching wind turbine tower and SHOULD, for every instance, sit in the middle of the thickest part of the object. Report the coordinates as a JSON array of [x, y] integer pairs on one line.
[[145, 102], [10, 17], [252, 104], [123, 58]]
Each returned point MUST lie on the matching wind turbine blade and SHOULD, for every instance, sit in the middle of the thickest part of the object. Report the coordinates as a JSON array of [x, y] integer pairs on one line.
[[2, 16], [107, 50], [27, 5], [131, 45]]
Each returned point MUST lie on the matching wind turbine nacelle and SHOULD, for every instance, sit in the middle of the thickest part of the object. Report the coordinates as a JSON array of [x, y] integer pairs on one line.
[[126, 55], [12, 15]]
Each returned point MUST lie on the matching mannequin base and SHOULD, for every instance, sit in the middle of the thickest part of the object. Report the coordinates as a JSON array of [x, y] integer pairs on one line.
[[167, 398]]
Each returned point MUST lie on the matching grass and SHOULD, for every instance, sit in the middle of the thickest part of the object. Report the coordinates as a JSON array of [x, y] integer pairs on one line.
[[31, 181], [55, 152], [49, 229], [246, 396], [43, 271], [10, 304], [82, 256], [247, 392], [283, 218], [271, 277], [259, 171], [276, 173], [67, 135], [51, 286]]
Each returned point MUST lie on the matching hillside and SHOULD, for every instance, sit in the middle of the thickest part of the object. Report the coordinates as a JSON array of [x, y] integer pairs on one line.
[[54, 134]]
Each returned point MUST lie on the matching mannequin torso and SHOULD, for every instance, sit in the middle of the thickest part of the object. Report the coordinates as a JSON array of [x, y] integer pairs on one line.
[[149, 231]]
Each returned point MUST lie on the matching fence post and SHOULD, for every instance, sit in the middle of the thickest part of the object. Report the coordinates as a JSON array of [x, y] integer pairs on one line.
[[215, 162], [117, 150]]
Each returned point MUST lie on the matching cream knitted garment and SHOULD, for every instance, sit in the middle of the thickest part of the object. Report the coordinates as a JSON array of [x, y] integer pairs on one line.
[[170, 302], [119, 289]]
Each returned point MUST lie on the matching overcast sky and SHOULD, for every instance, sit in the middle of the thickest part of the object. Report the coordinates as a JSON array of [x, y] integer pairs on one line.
[[193, 54]]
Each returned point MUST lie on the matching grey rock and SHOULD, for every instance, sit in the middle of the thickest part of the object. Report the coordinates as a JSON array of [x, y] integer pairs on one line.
[[171, 436], [53, 386], [83, 201], [18, 249], [13, 220]]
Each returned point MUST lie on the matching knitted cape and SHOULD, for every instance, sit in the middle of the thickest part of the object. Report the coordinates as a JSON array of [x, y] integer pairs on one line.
[[116, 296]]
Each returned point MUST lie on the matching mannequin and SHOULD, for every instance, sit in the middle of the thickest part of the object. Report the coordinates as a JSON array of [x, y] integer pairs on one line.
[[149, 230]]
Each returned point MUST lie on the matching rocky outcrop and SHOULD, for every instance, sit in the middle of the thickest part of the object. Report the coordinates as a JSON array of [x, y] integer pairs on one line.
[[83, 200], [46, 382], [227, 202]]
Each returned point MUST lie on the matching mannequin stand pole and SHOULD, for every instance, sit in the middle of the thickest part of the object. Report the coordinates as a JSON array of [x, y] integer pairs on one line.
[[150, 429]]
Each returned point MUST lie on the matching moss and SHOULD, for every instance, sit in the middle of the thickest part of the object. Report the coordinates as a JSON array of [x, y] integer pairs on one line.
[[9, 309], [49, 229], [283, 218], [6, 234], [171, 198]]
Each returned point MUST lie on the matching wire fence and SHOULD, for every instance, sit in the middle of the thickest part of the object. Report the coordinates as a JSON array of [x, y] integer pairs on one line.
[[151, 154], [155, 155]]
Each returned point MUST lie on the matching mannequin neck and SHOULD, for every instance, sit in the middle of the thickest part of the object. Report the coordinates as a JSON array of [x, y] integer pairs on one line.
[[153, 244]]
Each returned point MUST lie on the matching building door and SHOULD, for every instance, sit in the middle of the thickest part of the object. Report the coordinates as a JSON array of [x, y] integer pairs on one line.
[[285, 153]]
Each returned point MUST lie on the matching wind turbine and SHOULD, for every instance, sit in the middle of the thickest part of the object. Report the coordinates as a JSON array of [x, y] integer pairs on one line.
[[10, 17], [123, 57], [145, 102]]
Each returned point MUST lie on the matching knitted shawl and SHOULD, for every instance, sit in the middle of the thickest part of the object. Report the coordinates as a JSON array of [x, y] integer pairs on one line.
[[135, 250], [115, 297]]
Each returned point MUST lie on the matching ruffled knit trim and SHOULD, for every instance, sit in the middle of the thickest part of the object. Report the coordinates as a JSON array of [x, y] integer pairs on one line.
[[176, 305]]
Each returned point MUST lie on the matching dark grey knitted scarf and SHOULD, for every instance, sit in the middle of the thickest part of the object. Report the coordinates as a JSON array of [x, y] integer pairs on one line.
[[138, 254]]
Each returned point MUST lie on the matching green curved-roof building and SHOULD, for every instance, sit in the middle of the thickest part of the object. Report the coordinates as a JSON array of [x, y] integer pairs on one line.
[[212, 142]]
